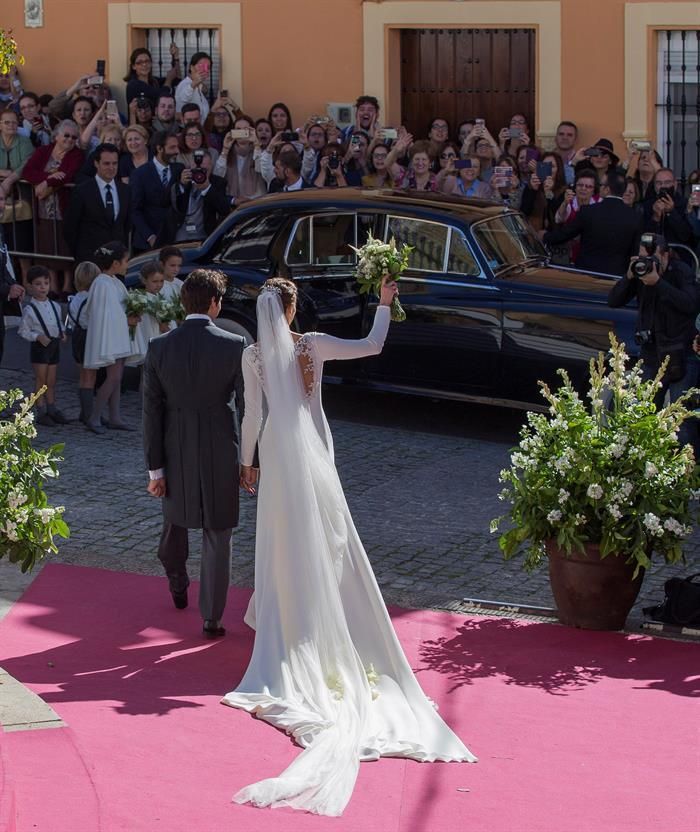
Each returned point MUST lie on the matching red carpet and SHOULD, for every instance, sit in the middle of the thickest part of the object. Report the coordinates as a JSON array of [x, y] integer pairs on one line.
[[575, 731]]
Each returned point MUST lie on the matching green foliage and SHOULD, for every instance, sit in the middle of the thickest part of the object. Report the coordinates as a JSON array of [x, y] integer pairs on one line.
[[610, 472], [28, 524]]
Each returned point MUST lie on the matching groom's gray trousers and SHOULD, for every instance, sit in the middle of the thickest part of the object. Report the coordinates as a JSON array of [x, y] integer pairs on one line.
[[215, 571]]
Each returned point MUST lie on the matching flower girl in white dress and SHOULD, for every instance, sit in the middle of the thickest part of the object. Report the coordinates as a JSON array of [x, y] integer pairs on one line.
[[327, 666], [107, 343]]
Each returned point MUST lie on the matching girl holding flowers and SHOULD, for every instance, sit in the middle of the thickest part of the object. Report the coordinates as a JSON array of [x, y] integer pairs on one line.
[[107, 343]]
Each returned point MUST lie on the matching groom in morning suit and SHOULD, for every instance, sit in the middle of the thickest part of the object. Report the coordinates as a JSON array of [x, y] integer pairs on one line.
[[191, 375]]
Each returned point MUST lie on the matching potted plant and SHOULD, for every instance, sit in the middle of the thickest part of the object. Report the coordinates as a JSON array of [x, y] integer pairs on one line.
[[28, 524], [597, 486]]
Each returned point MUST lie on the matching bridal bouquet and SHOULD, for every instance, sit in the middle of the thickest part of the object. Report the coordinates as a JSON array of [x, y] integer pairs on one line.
[[28, 524], [376, 260], [137, 302]]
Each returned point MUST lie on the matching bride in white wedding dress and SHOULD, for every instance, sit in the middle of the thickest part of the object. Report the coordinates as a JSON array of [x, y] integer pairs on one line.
[[327, 666]]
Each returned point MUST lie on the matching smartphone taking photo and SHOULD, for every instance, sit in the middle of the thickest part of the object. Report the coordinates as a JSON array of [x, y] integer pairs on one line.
[[462, 164], [111, 109], [543, 170]]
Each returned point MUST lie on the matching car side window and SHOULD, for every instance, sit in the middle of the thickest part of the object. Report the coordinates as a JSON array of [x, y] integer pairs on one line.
[[299, 248], [323, 240], [460, 260], [428, 240], [333, 236]]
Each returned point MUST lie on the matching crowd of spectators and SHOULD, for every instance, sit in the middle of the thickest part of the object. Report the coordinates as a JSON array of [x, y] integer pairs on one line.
[[170, 167]]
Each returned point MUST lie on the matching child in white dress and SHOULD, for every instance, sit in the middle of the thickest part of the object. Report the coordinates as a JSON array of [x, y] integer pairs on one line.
[[152, 280], [83, 277], [171, 263], [41, 326], [107, 343]]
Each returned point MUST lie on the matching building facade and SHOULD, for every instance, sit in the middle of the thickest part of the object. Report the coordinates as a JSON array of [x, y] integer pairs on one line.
[[620, 69]]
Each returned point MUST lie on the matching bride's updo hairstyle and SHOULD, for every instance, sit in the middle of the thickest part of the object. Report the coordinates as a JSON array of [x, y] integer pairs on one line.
[[285, 288]]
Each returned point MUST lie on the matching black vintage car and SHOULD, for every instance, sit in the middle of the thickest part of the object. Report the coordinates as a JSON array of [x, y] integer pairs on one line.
[[486, 315]]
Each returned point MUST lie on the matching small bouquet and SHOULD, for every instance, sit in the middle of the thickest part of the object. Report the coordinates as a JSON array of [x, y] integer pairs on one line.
[[137, 302], [28, 523], [177, 309], [376, 260], [161, 309]]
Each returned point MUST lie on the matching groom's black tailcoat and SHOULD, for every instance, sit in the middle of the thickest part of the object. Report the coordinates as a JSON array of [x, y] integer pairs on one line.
[[191, 375]]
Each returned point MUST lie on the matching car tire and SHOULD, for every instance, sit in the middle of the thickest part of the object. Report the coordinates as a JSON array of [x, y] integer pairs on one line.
[[236, 329]]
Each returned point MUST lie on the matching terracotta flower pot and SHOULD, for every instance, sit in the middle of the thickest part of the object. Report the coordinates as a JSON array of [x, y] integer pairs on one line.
[[590, 592]]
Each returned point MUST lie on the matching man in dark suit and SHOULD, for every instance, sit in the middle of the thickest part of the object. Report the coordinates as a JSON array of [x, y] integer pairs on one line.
[[191, 442], [199, 202], [609, 232], [99, 210], [288, 174], [150, 192]]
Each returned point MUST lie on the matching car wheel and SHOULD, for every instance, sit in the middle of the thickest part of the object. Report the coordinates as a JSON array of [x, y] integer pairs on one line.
[[236, 329]]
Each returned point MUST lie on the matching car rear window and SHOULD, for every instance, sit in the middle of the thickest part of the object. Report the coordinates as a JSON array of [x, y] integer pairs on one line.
[[248, 242]]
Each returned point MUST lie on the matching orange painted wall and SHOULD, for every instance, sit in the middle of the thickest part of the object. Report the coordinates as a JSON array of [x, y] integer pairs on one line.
[[308, 52]]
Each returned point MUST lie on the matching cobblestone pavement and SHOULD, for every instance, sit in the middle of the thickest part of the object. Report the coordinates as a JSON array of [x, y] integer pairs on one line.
[[421, 501]]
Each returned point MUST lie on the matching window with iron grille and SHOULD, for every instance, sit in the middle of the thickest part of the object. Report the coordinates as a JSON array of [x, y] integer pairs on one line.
[[188, 42], [678, 100]]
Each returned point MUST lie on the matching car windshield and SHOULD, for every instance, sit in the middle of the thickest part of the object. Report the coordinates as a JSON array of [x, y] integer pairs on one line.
[[507, 241]]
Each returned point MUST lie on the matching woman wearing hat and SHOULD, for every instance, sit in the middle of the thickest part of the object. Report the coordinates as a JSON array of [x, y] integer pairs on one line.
[[601, 157]]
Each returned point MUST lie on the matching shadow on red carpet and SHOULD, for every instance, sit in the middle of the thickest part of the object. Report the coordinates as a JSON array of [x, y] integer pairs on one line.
[[575, 731]]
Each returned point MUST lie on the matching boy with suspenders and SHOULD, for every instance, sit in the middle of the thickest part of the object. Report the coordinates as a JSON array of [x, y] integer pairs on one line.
[[41, 326]]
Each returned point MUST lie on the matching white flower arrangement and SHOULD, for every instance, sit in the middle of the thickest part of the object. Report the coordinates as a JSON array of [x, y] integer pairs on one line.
[[611, 474], [377, 259], [139, 302], [28, 524]]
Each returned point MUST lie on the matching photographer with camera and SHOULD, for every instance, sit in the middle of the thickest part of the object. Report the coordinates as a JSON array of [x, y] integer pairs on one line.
[[199, 201], [668, 303], [665, 210]]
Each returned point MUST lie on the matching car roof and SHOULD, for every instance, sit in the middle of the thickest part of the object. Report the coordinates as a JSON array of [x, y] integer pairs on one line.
[[468, 209]]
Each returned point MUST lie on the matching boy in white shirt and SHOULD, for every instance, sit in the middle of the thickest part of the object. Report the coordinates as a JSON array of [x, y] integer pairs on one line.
[[41, 326]]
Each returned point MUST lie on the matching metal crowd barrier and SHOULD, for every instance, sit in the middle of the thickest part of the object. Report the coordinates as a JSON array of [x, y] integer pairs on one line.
[[25, 191]]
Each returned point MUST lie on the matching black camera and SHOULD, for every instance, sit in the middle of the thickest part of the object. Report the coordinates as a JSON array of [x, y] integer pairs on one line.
[[333, 161], [199, 175], [289, 136], [643, 336], [645, 265], [666, 192], [142, 103]]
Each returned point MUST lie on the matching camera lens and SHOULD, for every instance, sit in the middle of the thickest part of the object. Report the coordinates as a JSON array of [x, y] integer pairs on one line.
[[199, 175], [641, 267]]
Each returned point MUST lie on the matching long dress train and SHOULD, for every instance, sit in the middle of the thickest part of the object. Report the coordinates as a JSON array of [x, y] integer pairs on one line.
[[327, 666]]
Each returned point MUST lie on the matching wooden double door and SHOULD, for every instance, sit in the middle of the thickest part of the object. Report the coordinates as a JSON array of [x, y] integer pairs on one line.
[[460, 74]]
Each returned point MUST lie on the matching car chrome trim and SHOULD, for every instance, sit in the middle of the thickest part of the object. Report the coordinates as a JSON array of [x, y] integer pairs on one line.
[[438, 282], [431, 393]]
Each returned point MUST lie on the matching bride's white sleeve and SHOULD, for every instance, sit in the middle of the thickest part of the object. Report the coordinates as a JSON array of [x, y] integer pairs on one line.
[[252, 418], [329, 348]]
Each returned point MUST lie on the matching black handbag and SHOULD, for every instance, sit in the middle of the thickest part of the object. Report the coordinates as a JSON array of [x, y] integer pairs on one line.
[[681, 606]]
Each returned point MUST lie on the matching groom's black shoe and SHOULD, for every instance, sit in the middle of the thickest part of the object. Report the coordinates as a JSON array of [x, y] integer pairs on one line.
[[213, 629], [179, 599]]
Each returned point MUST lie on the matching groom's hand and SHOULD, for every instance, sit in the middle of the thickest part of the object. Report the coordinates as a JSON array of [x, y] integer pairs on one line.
[[156, 488]]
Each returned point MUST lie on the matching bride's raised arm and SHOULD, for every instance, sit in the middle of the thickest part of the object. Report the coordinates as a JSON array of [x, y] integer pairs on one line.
[[329, 348], [252, 418]]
